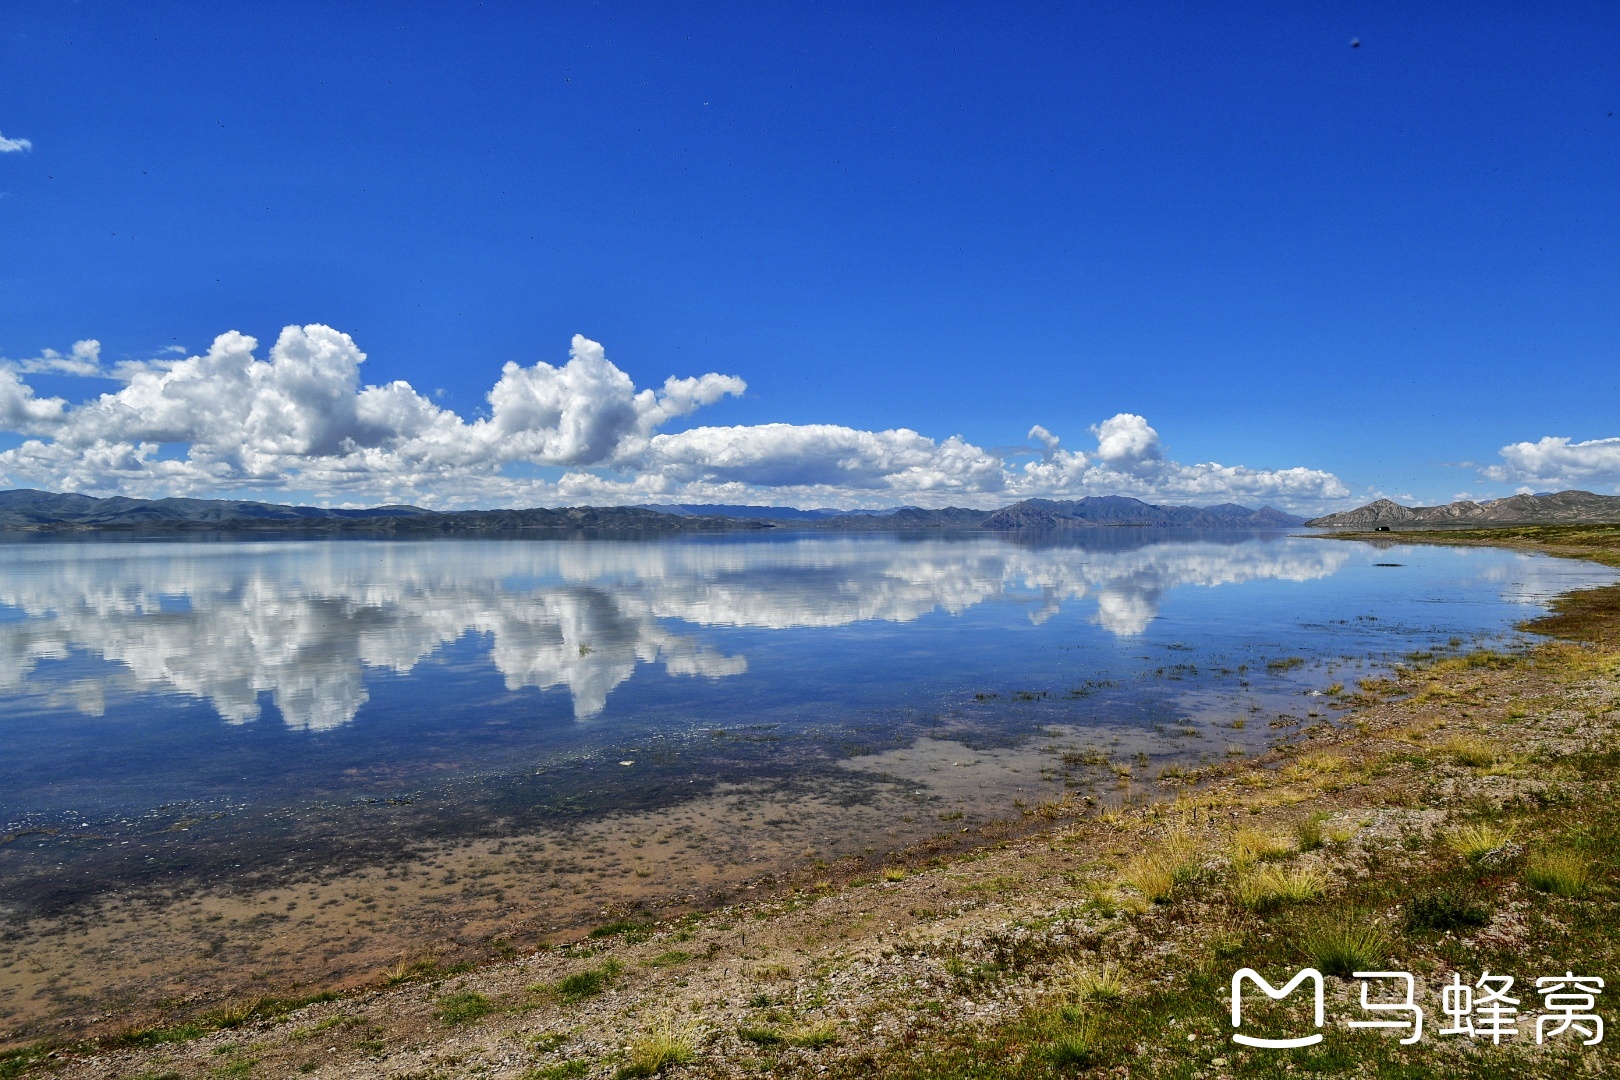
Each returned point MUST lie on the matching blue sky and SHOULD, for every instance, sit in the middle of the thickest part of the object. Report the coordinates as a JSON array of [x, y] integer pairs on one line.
[[1338, 272]]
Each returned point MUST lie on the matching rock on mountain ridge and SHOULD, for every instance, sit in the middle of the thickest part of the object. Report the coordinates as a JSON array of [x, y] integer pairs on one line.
[[1121, 510], [1558, 508]]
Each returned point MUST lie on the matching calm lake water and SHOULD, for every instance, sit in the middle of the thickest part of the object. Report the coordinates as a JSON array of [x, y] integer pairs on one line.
[[136, 674], [303, 761]]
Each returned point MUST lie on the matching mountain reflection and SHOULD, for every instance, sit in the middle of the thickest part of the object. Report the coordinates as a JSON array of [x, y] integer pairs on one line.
[[302, 621]]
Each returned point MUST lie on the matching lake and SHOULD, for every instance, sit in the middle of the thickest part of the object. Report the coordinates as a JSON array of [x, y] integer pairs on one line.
[[300, 762]]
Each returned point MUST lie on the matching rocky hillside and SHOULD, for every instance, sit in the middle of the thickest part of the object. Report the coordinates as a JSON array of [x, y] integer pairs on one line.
[[1562, 508]]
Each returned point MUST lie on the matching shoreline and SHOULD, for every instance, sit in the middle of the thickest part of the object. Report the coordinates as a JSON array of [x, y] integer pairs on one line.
[[1023, 918]]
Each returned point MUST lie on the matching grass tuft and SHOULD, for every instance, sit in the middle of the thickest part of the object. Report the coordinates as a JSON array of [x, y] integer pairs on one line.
[[1269, 886], [659, 1049], [463, 1008], [1250, 846], [1447, 909], [584, 984], [1308, 832], [1157, 873], [1075, 1048], [1103, 985], [1562, 873], [1475, 842], [814, 1036], [1340, 946], [1474, 753]]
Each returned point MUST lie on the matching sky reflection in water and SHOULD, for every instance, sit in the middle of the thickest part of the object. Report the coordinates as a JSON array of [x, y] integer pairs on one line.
[[116, 655]]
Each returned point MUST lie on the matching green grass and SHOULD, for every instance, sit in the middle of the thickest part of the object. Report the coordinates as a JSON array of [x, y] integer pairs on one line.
[[1451, 908], [814, 1036], [1560, 873], [627, 927], [658, 1050], [760, 1036], [1342, 944], [586, 984], [565, 1070], [1474, 842], [1308, 832], [669, 959], [1269, 886], [464, 1008]]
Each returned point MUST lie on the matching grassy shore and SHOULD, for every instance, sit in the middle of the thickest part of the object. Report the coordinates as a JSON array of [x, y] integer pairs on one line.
[[1456, 817]]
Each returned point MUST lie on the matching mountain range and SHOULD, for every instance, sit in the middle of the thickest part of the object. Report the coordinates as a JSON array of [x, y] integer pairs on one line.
[[1559, 508], [24, 509]]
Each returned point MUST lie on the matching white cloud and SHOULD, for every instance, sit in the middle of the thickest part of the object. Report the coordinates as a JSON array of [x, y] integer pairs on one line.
[[14, 146], [1555, 462], [84, 360], [302, 422]]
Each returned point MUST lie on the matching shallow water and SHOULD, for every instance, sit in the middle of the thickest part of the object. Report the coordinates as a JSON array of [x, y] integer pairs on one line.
[[207, 723]]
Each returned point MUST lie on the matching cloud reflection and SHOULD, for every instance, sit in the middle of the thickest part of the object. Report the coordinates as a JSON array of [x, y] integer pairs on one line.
[[303, 621]]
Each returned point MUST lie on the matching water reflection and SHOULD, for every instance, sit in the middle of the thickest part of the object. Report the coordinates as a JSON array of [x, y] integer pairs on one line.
[[303, 621]]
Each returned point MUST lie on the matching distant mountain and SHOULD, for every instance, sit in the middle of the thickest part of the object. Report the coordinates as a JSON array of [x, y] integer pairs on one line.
[[1119, 510], [1559, 508], [43, 510], [755, 513]]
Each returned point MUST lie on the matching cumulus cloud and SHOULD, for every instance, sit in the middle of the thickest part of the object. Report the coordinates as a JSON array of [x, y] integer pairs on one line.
[[1559, 463], [14, 146], [301, 420]]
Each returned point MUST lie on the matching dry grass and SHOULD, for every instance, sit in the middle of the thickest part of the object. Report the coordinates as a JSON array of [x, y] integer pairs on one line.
[[1562, 873], [1157, 873], [1268, 886], [666, 1045], [1472, 752], [1476, 841], [1250, 846], [1098, 985]]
